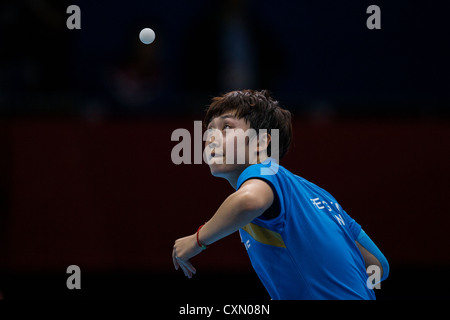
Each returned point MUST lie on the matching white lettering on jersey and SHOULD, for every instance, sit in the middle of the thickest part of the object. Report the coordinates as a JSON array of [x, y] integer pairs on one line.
[[323, 204], [329, 208], [247, 244], [337, 206], [340, 219], [317, 203]]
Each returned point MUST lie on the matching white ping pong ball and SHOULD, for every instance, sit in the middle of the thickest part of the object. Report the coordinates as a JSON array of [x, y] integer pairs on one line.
[[147, 36]]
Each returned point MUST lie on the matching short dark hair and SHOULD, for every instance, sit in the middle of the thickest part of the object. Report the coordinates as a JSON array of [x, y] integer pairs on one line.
[[259, 109]]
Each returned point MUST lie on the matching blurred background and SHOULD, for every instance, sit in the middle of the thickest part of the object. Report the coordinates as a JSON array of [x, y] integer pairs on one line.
[[86, 118]]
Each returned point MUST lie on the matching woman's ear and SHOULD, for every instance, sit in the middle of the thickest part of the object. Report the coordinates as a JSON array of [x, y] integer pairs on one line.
[[263, 143]]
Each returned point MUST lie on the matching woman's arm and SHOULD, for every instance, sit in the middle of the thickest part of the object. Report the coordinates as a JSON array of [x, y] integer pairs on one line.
[[371, 254], [240, 208]]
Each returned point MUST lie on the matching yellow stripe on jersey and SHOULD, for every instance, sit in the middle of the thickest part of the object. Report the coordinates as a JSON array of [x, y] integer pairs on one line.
[[264, 235]]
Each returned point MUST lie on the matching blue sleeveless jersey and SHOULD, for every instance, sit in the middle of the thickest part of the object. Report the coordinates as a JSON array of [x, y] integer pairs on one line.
[[308, 251]]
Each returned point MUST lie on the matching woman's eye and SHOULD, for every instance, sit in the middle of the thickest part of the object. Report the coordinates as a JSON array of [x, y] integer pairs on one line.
[[227, 126]]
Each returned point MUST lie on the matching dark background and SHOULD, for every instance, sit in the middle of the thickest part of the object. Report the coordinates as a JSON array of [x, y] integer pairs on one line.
[[86, 118]]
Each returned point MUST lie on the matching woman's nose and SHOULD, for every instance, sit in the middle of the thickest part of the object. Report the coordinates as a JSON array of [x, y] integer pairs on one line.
[[212, 143], [212, 140]]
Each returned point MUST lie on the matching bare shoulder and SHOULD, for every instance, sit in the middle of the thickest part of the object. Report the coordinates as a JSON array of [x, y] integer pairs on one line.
[[257, 185], [258, 191]]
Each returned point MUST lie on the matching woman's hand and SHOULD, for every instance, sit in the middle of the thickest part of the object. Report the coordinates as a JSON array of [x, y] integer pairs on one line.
[[183, 250], [241, 207]]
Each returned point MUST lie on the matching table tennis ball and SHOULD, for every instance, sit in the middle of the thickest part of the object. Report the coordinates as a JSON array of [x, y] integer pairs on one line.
[[147, 35]]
